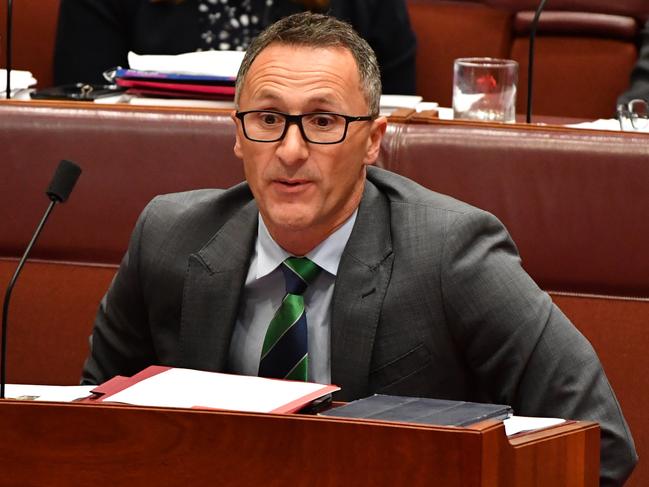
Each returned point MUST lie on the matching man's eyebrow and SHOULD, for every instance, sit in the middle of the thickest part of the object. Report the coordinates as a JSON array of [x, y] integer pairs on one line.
[[267, 95], [323, 100]]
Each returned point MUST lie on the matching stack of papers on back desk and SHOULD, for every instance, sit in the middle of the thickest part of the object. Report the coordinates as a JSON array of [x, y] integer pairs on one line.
[[185, 388], [208, 75], [209, 63], [20, 80], [175, 85]]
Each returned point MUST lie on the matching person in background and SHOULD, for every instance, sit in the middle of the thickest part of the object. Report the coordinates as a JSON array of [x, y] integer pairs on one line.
[[639, 88], [96, 35]]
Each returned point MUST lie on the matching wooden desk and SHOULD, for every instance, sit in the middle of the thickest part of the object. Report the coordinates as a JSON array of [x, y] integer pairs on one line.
[[75, 444]]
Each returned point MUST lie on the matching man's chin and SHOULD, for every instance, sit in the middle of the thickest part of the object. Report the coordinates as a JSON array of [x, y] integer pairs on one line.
[[290, 222]]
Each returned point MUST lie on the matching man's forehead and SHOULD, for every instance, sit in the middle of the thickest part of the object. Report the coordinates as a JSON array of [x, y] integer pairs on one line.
[[322, 95], [281, 53], [322, 73]]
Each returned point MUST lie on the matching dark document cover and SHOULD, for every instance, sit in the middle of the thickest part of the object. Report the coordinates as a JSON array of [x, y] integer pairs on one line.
[[420, 410]]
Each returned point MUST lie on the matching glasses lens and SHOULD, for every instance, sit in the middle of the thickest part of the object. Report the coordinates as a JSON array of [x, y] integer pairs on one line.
[[324, 127], [639, 114], [264, 126]]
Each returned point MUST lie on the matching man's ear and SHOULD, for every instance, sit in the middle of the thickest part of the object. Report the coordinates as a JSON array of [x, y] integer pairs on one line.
[[237, 135], [374, 141]]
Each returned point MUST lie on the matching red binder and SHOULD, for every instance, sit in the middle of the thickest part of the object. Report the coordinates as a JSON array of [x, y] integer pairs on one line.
[[107, 390]]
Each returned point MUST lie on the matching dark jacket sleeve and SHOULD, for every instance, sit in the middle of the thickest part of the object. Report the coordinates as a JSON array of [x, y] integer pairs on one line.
[[639, 87], [96, 35], [385, 25], [521, 347], [92, 36], [395, 44]]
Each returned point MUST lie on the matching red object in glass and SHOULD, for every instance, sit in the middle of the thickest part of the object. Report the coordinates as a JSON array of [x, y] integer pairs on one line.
[[487, 83]]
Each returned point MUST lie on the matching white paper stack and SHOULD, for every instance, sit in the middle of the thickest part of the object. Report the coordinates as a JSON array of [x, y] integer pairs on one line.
[[20, 80], [211, 63]]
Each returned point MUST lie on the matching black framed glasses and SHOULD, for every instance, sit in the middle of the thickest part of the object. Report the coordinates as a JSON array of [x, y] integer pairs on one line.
[[315, 127]]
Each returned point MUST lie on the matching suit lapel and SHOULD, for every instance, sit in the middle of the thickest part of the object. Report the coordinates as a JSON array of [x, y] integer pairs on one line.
[[216, 274], [213, 283], [361, 284]]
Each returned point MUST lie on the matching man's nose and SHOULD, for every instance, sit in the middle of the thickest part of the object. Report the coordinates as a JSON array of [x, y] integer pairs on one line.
[[293, 148]]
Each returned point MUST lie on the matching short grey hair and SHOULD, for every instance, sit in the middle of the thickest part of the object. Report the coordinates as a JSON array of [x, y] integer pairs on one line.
[[319, 31]]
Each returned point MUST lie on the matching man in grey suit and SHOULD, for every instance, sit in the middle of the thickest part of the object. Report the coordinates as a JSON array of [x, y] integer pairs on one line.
[[417, 293]]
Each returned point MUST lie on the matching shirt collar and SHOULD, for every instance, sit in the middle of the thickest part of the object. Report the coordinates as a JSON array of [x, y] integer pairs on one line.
[[326, 255]]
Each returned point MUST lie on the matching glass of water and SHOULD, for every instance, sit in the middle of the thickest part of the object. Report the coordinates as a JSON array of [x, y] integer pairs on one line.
[[485, 89]]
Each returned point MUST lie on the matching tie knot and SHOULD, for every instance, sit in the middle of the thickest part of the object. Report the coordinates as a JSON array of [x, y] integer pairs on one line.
[[299, 272]]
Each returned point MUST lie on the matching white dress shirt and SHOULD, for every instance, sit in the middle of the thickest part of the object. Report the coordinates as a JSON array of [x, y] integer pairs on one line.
[[263, 293]]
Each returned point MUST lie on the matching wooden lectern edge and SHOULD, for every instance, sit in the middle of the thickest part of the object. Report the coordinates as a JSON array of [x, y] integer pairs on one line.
[[551, 432], [491, 426], [293, 416]]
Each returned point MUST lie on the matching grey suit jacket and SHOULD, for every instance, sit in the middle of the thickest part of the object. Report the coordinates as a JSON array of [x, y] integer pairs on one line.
[[430, 300]]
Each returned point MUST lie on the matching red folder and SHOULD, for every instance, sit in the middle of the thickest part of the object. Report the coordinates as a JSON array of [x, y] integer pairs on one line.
[[105, 391], [180, 88]]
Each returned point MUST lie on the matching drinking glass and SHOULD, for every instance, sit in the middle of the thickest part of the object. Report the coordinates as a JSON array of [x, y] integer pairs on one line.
[[485, 89]]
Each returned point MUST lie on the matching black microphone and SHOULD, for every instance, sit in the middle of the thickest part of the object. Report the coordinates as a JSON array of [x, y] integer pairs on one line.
[[9, 29], [63, 182], [58, 191], [530, 59]]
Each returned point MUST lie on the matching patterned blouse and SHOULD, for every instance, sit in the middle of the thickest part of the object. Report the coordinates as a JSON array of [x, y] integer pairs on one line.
[[229, 24]]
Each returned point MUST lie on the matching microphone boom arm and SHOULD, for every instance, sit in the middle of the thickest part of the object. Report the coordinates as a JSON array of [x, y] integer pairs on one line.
[[9, 48], [65, 177], [5, 306], [530, 59]]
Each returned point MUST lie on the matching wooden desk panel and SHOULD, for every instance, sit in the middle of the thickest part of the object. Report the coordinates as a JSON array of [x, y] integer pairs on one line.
[[62, 445]]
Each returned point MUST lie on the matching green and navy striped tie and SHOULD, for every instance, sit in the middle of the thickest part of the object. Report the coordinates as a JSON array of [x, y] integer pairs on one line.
[[284, 354]]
